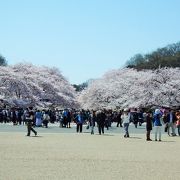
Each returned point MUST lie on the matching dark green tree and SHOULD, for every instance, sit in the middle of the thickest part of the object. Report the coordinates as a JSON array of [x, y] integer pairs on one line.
[[135, 61], [168, 56], [80, 87], [3, 61]]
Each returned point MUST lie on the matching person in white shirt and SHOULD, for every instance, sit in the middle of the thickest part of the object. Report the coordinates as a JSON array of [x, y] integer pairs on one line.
[[126, 120]]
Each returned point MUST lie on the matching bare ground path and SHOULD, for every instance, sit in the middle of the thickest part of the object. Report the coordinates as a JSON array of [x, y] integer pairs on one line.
[[71, 156]]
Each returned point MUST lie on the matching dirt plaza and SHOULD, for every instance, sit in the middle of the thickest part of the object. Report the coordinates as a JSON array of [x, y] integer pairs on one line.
[[83, 156]]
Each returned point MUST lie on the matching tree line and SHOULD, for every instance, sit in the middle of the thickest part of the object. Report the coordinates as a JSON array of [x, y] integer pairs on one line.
[[168, 56]]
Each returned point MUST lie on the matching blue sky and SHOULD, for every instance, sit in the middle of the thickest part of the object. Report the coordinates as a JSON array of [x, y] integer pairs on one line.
[[85, 38]]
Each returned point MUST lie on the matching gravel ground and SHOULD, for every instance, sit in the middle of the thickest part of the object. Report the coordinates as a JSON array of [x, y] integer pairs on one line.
[[71, 156]]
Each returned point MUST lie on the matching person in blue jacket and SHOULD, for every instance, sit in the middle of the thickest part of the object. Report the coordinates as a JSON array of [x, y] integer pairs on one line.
[[79, 121], [157, 119]]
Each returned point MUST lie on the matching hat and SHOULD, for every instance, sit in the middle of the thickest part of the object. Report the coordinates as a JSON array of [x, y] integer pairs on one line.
[[157, 111], [126, 109]]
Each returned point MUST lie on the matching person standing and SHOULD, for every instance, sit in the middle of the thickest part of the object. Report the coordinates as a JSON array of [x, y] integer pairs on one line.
[[178, 122], [38, 117], [29, 120], [19, 115], [140, 117], [171, 120], [119, 120], [101, 121], [13, 117], [69, 115], [135, 118], [92, 120], [65, 112], [108, 119], [79, 121], [46, 119], [148, 126], [157, 123], [126, 120]]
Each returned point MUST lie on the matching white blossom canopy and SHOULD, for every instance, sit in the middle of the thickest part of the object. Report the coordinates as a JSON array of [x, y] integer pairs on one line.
[[25, 84], [131, 88]]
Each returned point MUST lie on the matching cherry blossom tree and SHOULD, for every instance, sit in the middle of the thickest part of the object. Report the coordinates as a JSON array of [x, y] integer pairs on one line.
[[131, 88], [29, 84]]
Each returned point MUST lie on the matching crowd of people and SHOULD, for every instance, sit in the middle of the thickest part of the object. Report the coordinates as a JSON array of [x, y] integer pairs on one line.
[[157, 118]]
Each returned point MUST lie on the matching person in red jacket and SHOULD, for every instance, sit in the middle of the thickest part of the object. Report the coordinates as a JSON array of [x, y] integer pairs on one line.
[[178, 122]]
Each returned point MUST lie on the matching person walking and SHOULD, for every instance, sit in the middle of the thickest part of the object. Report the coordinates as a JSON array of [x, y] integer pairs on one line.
[[29, 120]]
